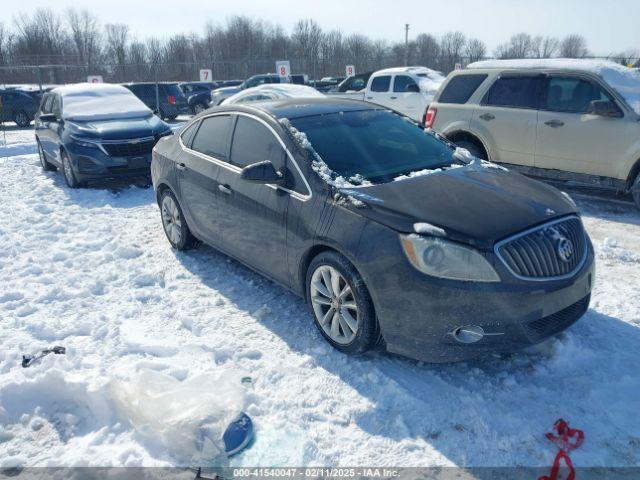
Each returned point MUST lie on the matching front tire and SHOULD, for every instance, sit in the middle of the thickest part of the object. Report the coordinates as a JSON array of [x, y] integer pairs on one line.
[[44, 163], [199, 107], [173, 222], [67, 170], [341, 305], [635, 191]]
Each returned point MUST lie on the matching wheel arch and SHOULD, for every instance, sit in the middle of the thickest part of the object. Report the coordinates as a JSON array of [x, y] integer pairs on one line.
[[633, 174], [458, 135]]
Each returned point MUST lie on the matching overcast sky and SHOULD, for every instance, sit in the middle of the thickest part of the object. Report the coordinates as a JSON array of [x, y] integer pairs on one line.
[[609, 26]]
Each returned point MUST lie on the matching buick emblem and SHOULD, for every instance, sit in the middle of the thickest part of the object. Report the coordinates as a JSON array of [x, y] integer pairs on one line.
[[564, 247]]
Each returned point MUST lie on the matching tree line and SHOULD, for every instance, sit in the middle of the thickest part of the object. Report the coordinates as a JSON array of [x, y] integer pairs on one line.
[[76, 43]]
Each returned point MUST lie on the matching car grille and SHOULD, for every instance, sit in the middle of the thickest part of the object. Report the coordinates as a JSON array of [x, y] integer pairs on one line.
[[553, 250], [559, 321], [129, 149]]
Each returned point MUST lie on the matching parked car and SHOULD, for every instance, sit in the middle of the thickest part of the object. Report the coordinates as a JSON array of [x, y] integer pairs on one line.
[[169, 97], [198, 94], [327, 84], [568, 120], [408, 90], [392, 235], [96, 132], [220, 94], [273, 92], [18, 107], [352, 86]]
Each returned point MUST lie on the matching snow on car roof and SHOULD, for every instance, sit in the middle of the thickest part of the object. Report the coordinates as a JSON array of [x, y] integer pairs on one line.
[[416, 70], [278, 91], [102, 101], [625, 80]]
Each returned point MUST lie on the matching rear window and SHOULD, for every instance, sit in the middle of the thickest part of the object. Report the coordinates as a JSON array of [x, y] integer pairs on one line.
[[460, 88], [213, 136], [172, 89], [378, 145], [402, 82], [514, 92], [381, 84]]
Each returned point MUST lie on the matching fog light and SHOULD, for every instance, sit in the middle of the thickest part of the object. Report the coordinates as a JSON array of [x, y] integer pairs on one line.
[[468, 334]]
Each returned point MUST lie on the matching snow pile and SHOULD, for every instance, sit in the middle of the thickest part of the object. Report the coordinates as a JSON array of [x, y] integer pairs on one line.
[[612, 252], [623, 79], [91, 270], [85, 102]]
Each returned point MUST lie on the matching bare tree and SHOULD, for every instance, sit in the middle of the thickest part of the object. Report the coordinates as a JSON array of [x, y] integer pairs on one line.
[[117, 40], [476, 50], [307, 37], [574, 46], [427, 50], [86, 35], [520, 45], [451, 49]]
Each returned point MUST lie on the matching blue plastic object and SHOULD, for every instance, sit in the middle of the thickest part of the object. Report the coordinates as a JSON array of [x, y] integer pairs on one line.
[[238, 435]]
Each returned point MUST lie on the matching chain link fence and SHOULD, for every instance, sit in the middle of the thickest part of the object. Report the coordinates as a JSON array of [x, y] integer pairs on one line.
[[71, 71]]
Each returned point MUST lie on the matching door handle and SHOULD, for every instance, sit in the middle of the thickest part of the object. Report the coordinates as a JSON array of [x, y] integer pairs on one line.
[[487, 117], [393, 98], [224, 189], [181, 166], [369, 98], [554, 123]]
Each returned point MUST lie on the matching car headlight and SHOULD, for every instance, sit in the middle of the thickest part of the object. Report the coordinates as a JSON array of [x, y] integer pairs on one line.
[[445, 259], [84, 143]]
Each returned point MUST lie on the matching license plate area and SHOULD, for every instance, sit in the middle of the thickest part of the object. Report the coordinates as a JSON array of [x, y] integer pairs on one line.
[[138, 162]]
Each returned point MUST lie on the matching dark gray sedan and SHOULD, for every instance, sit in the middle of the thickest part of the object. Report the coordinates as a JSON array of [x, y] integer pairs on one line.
[[393, 236]]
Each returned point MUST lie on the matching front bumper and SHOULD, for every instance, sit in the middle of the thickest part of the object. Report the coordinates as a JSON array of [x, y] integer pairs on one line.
[[93, 165], [418, 314]]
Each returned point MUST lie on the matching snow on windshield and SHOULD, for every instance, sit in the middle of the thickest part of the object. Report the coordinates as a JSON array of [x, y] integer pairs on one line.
[[626, 81], [92, 102]]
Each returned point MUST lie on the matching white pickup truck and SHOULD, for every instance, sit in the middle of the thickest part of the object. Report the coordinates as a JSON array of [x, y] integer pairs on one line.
[[408, 90]]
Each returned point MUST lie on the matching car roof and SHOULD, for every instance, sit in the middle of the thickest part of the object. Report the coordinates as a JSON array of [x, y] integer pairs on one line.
[[416, 70], [303, 107]]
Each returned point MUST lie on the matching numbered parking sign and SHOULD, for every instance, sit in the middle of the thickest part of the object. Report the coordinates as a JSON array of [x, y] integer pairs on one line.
[[283, 68], [350, 70], [205, 74], [94, 79], [458, 66]]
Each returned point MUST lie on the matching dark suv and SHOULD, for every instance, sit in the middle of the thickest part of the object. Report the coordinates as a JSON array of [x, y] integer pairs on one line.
[[18, 107], [96, 132], [168, 103], [198, 94]]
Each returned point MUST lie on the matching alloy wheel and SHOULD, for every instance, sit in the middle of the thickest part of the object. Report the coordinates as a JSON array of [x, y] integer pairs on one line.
[[21, 119], [334, 304], [171, 220], [199, 108]]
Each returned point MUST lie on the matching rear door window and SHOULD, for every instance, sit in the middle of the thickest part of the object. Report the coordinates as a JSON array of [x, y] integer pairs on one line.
[[212, 137], [402, 82], [514, 92], [381, 84], [573, 95], [460, 88], [253, 143]]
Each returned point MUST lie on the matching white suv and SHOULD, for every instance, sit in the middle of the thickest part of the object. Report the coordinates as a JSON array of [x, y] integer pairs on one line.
[[574, 120]]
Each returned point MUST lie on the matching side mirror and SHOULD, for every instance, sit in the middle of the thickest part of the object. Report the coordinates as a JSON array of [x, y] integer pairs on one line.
[[412, 88], [604, 108], [47, 117], [261, 172]]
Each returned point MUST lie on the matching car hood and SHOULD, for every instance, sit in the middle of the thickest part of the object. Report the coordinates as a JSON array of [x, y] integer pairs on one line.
[[478, 204], [120, 129]]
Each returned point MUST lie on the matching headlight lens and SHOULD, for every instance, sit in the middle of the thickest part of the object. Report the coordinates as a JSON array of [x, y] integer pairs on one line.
[[445, 259], [84, 143]]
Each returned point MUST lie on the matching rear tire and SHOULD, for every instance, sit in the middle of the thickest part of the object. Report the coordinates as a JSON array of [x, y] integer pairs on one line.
[[21, 118], [44, 163], [173, 222], [341, 304], [67, 170], [635, 191], [473, 148]]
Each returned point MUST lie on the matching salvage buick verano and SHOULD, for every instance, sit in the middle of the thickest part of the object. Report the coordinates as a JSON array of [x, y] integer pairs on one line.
[[392, 235]]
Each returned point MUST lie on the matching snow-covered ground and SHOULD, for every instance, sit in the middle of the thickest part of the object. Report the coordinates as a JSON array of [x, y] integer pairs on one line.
[[91, 270]]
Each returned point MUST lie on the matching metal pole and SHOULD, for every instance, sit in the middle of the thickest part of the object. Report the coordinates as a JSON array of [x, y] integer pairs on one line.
[[406, 44], [155, 74]]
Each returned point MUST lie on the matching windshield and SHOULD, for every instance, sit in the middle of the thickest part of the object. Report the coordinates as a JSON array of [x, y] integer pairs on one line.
[[376, 144]]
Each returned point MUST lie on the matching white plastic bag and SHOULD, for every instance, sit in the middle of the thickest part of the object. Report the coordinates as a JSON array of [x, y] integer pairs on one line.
[[186, 418]]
